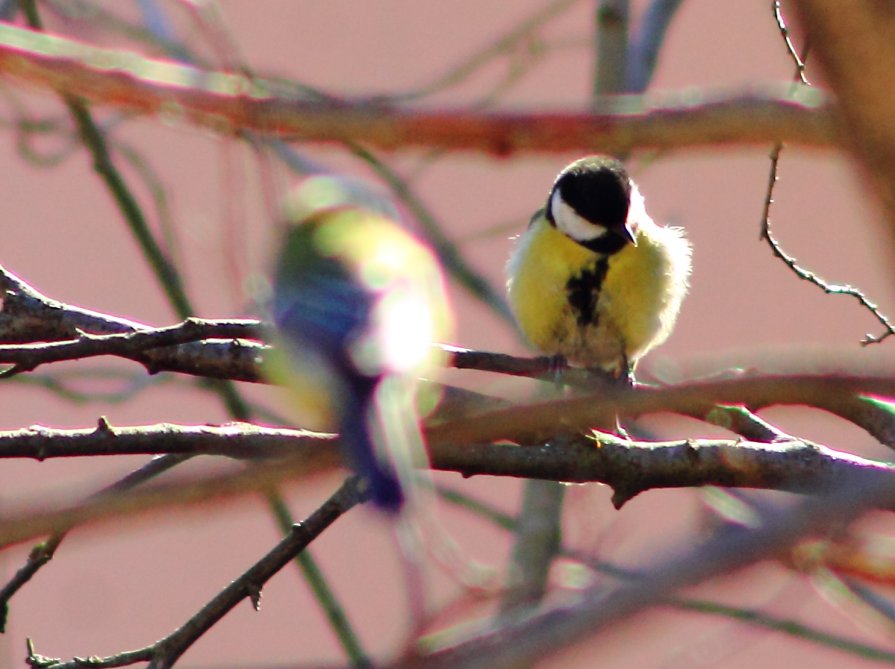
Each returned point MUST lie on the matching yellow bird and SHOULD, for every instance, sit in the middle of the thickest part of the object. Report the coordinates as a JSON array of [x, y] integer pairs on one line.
[[594, 280], [358, 303]]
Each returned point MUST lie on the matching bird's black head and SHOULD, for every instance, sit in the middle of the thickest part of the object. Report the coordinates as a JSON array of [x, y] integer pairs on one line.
[[598, 190]]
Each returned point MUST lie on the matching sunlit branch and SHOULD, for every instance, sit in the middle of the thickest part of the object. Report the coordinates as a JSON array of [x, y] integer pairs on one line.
[[231, 103]]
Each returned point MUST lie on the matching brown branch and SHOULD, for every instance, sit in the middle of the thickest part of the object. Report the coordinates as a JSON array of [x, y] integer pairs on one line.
[[234, 440], [854, 46], [131, 345], [539, 635], [231, 103], [165, 652], [535, 422], [29, 523], [29, 316], [628, 467]]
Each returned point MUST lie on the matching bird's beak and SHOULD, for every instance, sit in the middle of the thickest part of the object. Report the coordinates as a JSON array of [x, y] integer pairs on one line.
[[629, 232]]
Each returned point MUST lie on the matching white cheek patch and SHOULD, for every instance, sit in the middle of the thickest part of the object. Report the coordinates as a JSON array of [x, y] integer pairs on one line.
[[569, 222], [637, 209]]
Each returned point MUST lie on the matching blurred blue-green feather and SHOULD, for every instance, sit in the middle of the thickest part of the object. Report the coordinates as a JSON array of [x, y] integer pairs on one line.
[[357, 302]]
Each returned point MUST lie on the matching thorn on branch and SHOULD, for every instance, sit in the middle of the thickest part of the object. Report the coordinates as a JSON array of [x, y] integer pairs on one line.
[[622, 495], [253, 592]]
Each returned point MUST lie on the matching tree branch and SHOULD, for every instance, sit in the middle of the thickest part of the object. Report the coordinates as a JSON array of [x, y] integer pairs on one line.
[[231, 103], [539, 635], [29, 316], [131, 345], [532, 422], [628, 467], [164, 652]]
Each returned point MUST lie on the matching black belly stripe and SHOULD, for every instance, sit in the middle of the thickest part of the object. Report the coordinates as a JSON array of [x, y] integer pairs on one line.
[[583, 291]]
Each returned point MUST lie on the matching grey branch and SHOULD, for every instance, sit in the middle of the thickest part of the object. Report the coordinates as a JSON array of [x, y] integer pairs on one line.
[[534, 637], [628, 467], [164, 652], [36, 329]]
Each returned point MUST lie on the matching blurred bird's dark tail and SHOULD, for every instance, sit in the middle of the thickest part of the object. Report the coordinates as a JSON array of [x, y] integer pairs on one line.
[[357, 429]]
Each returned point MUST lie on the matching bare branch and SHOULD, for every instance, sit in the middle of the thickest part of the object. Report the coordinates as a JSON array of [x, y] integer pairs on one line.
[[535, 421], [231, 103], [29, 316], [234, 440], [776, 248], [131, 345], [30, 523], [628, 467], [790, 47], [164, 652], [808, 275], [539, 635]]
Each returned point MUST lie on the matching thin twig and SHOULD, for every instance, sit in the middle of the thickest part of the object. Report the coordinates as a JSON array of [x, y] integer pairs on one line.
[[808, 275], [766, 234], [165, 652], [757, 618], [329, 602], [790, 47], [565, 624]]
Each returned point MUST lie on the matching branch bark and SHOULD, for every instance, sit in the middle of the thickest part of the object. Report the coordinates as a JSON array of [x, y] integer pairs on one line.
[[628, 467], [231, 104], [534, 637]]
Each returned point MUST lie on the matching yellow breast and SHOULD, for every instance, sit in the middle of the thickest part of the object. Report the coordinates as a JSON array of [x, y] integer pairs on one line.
[[635, 305]]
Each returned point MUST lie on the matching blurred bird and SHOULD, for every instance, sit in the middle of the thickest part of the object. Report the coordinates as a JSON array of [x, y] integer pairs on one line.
[[357, 303], [593, 280]]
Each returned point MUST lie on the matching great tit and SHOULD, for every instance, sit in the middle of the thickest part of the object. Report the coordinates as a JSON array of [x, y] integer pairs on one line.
[[593, 280], [357, 303]]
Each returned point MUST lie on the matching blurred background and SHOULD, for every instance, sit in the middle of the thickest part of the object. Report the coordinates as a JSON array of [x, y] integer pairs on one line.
[[213, 200]]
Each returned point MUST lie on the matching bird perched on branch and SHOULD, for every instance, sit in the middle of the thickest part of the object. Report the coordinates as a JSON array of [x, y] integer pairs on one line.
[[593, 280], [357, 303]]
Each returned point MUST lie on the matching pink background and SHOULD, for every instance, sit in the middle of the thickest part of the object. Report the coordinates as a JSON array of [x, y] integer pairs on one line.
[[115, 587]]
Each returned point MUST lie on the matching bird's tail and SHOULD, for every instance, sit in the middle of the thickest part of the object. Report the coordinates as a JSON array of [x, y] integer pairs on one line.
[[359, 432]]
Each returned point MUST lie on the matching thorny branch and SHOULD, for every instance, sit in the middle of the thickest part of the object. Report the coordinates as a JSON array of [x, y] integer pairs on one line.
[[28, 317], [628, 467]]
